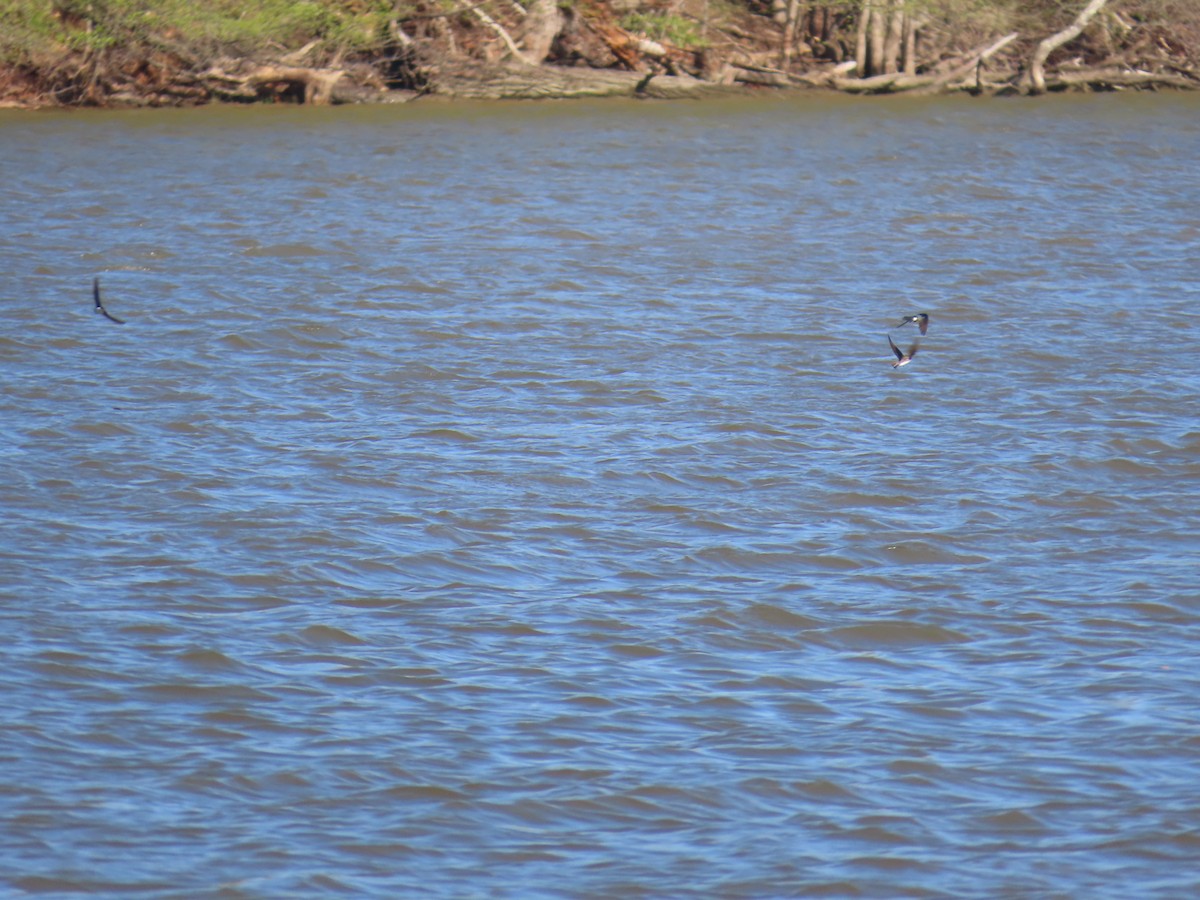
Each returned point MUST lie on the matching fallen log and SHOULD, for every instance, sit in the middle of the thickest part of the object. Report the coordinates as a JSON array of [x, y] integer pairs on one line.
[[223, 86], [1115, 79], [887, 83], [758, 76], [521, 82], [313, 86]]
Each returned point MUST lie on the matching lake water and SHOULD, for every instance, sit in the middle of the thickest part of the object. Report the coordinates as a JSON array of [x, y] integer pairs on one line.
[[517, 500]]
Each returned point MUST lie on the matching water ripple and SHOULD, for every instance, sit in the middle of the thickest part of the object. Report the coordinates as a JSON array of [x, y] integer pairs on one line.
[[478, 527]]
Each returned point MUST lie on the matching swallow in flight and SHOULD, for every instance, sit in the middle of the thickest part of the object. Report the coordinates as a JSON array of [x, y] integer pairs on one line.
[[921, 320], [902, 359], [100, 306]]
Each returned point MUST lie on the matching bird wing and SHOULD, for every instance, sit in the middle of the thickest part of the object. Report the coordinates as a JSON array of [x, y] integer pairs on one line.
[[100, 306], [895, 349], [924, 324], [912, 351]]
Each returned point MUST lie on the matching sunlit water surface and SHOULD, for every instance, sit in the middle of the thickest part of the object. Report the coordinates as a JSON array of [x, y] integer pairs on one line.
[[517, 501]]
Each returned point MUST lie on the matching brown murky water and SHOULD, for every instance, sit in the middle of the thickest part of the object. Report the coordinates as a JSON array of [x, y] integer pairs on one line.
[[517, 501]]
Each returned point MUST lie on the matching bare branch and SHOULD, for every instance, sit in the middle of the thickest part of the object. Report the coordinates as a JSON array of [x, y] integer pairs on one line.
[[1037, 75], [504, 35], [975, 59]]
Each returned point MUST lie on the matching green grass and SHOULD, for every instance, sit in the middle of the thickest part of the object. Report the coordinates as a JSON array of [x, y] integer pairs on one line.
[[35, 29], [662, 26]]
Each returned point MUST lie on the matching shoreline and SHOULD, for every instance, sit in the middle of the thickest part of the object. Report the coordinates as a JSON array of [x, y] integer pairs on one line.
[[269, 85], [541, 50]]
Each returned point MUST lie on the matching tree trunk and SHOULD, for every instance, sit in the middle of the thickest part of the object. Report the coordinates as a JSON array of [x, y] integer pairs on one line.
[[910, 46], [1037, 75], [895, 34], [789, 32], [860, 40], [886, 38], [542, 25], [876, 32]]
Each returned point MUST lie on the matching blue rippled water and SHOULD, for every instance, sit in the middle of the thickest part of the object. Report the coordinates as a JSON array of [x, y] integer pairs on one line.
[[517, 500]]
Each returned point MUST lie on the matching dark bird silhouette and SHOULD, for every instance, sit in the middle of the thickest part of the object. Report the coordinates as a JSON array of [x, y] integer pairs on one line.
[[921, 320], [902, 359], [100, 306]]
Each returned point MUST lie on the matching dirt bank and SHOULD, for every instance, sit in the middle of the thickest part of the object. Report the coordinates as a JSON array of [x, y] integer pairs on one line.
[[79, 54]]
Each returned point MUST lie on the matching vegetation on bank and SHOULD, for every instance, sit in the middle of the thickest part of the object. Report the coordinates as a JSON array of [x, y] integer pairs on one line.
[[176, 52]]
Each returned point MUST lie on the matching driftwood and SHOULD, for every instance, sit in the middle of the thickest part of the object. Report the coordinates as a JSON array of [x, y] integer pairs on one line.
[[232, 81], [1103, 79], [314, 85], [899, 81], [523, 82], [302, 85], [760, 75], [972, 64], [1036, 76], [882, 84]]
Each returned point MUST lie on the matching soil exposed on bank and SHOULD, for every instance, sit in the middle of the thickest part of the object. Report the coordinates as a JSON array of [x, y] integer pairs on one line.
[[501, 49]]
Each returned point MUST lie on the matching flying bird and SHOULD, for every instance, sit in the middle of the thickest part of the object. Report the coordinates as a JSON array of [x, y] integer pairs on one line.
[[921, 320], [902, 359], [100, 306]]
